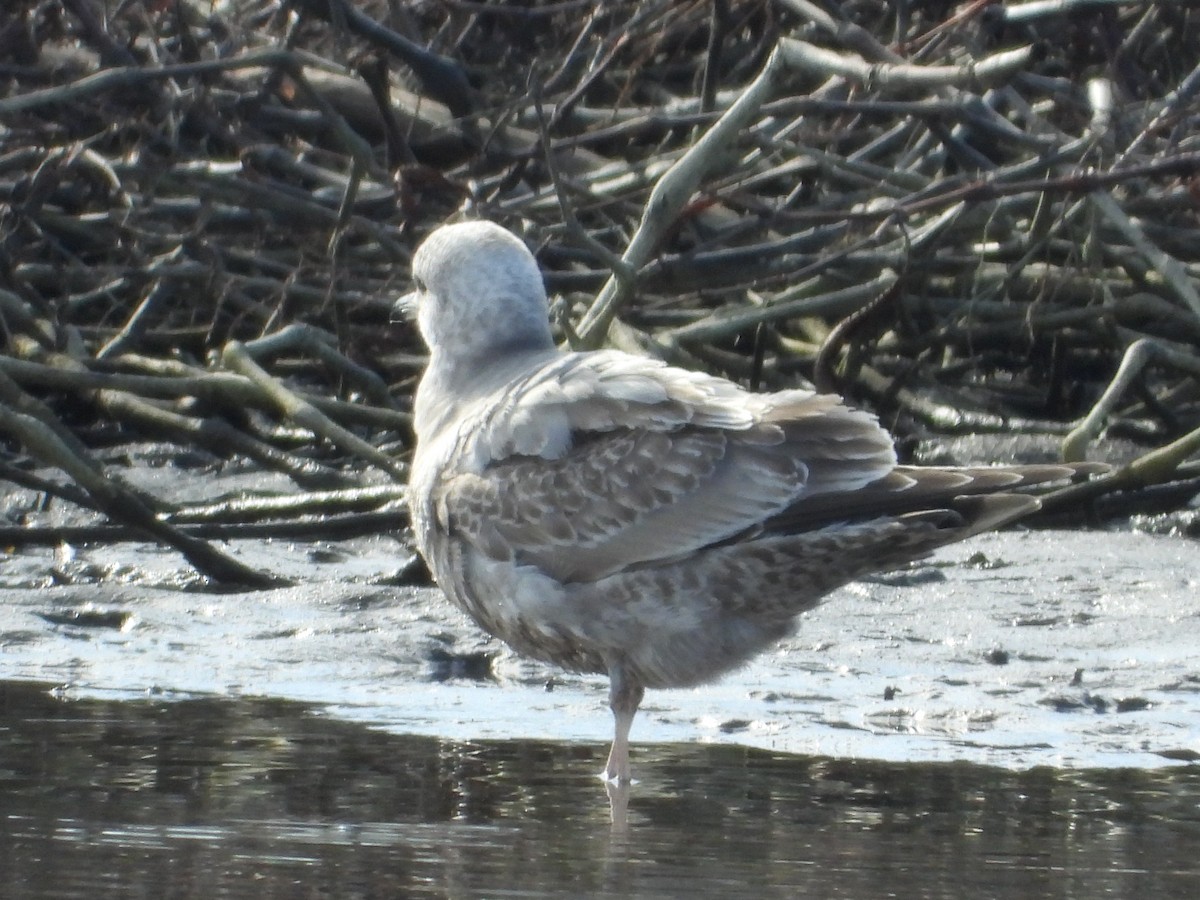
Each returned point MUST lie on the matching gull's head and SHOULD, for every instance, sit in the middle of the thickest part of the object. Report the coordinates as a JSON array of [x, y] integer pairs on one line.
[[477, 292]]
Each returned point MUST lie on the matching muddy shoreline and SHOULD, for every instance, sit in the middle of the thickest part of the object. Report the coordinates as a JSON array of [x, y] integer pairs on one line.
[[1019, 649]]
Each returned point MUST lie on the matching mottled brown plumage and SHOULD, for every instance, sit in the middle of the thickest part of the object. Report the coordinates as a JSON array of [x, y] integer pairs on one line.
[[612, 514]]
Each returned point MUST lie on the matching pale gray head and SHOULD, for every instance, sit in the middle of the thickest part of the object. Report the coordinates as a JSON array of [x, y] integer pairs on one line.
[[477, 292]]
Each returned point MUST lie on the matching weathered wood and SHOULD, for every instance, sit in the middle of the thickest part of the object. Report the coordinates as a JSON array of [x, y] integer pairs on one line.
[[204, 221]]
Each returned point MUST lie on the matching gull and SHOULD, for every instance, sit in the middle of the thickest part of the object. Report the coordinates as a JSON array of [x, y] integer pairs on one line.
[[612, 514]]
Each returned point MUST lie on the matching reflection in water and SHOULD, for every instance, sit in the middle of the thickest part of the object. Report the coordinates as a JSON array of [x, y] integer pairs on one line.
[[259, 798]]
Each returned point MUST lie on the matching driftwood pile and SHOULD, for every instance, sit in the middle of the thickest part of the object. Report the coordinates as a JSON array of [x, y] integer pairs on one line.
[[967, 216]]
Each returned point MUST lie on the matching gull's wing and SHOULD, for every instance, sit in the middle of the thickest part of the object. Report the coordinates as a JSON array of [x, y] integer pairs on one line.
[[595, 463], [978, 493]]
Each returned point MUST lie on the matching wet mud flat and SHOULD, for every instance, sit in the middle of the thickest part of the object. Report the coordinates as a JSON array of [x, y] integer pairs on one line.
[[1025, 648]]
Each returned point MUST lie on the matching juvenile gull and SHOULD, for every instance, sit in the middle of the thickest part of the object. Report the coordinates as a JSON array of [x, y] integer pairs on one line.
[[612, 514]]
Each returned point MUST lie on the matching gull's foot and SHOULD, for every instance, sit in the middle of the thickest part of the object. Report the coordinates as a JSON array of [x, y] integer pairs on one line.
[[616, 780]]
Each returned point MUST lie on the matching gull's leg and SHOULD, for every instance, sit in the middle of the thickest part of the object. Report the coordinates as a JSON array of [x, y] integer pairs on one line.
[[624, 695]]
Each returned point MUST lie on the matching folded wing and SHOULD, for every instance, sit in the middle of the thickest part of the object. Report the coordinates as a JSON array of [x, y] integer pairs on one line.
[[597, 463]]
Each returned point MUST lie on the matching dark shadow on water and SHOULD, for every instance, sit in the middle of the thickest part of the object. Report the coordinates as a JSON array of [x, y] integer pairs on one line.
[[224, 797]]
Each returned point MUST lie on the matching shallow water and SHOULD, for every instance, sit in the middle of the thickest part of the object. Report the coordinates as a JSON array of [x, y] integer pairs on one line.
[[241, 797]]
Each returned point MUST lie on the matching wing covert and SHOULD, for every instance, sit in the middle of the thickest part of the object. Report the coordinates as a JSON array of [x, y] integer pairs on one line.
[[595, 463], [618, 499]]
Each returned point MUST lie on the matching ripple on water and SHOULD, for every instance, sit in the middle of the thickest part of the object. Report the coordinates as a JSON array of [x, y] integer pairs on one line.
[[251, 797]]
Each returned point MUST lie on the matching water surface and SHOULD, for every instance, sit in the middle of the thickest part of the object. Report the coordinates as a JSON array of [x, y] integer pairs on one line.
[[237, 797]]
